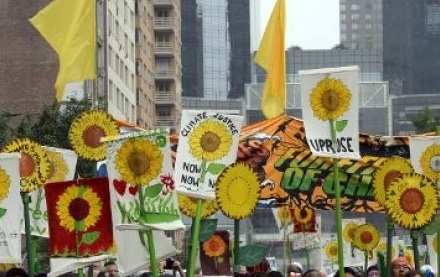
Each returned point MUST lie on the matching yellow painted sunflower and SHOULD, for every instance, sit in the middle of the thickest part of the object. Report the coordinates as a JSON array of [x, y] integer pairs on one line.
[[210, 141], [386, 173], [304, 215], [139, 161], [86, 131], [284, 216], [34, 164], [331, 250], [412, 200], [349, 231], [215, 246], [366, 237], [430, 161], [5, 183], [238, 190], [58, 167], [79, 208], [330, 99], [188, 206]]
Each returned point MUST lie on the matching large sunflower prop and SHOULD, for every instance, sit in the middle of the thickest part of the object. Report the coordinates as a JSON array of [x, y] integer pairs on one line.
[[58, 167], [387, 172], [412, 200], [5, 182], [430, 161], [139, 161], [188, 206], [366, 237], [331, 250], [34, 164], [79, 208], [86, 132], [210, 141], [330, 99], [238, 190], [349, 231]]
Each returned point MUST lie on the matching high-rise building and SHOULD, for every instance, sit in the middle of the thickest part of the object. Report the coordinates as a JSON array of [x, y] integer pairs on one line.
[[215, 48]]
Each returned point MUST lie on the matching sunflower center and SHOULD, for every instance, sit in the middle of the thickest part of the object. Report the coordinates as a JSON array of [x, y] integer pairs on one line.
[[139, 163], [333, 251], [330, 100], [303, 213], [412, 200], [27, 165], [210, 141], [435, 163], [215, 246], [390, 177], [366, 237], [92, 136], [79, 209]]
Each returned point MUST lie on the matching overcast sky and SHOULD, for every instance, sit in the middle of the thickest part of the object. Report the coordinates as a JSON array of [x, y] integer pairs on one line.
[[311, 24]]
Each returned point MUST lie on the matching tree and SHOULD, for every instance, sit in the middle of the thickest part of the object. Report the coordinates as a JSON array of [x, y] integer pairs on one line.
[[6, 132], [426, 121]]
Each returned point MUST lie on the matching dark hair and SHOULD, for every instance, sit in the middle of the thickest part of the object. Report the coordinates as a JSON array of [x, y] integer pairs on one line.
[[347, 269], [16, 271], [110, 263], [274, 274], [311, 273], [413, 273], [372, 268]]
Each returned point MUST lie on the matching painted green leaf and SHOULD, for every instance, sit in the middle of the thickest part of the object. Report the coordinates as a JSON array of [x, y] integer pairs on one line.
[[341, 124], [2, 212], [153, 190], [215, 168], [207, 228], [89, 238], [251, 255], [432, 227]]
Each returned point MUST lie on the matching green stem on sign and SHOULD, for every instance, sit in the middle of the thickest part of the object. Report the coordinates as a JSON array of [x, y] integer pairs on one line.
[[415, 244], [338, 209], [284, 245], [390, 231], [152, 252], [365, 262], [141, 200], [236, 245], [26, 199], [195, 239]]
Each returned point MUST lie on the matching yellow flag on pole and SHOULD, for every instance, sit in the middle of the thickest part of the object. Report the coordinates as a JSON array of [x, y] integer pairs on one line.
[[271, 57], [69, 27]]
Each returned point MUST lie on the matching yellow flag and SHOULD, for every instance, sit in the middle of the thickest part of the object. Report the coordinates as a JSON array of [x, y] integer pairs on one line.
[[69, 27], [271, 57]]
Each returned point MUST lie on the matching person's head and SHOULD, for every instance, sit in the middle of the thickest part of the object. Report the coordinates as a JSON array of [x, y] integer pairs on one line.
[[373, 271], [400, 266], [348, 272], [312, 273], [427, 270], [16, 272], [294, 269], [413, 273], [111, 268]]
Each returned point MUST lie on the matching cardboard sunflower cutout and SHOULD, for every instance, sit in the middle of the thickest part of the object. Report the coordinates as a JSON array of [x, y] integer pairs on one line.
[[430, 161], [366, 237], [86, 132], [139, 161], [238, 190], [188, 206], [330, 99], [34, 163], [58, 166], [412, 200], [387, 172]]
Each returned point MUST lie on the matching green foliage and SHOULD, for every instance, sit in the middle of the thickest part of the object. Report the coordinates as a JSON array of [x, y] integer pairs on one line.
[[426, 121], [6, 132]]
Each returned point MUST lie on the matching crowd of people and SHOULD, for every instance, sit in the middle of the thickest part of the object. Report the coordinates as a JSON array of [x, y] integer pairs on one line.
[[400, 267]]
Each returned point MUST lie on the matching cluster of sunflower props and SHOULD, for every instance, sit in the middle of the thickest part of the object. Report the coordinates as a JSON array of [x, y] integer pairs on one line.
[[86, 132]]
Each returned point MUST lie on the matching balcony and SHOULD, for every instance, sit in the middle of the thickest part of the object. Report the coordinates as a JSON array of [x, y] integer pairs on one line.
[[165, 121], [165, 97], [165, 74], [163, 23], [163, 3], [163, 48]]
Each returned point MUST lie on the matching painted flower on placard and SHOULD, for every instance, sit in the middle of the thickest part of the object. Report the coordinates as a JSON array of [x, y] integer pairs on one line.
[[188, 206], [430, 161], [86, 132], [78, 208], [331, 250], [5, 183], [284, 216], [382, 247], [304, 215], [412, 200], [34, 164], [139, 161], [386, 173], [210, 141], [330, 99], [349, 231], [238, 190], [58, 167], [366, 237], [215, 246]]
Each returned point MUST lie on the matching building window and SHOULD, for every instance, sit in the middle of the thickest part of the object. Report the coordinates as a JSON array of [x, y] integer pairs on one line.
[[163, 87]]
